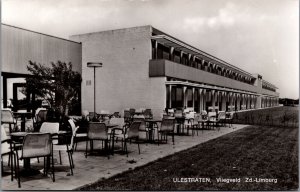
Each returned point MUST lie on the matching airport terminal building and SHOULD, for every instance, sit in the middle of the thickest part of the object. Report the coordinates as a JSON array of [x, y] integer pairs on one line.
[[142, 68]]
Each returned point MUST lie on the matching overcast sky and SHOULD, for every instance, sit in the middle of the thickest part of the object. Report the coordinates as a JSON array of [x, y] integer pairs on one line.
[[259, 36]]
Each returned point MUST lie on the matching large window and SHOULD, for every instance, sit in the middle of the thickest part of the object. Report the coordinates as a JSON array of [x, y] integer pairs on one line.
[[177, 97], [176, 56], [189, 98]]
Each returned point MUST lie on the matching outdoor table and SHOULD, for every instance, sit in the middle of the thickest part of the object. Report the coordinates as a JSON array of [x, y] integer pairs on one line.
[[212, 120], [23, 115], [102, 115], [113, 129], [180, 121], [151, 127], [28, 171]]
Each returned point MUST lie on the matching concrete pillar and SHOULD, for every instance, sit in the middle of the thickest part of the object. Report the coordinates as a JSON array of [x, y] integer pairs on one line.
[[171, 57], [170, 96], [155, 49], [248, 102], [200, 99], [213, 99], [233, 101], [202, 63], [204, 100], [193, 97], [258, 101], [224, 95], [238, 103], [189, 59], [181, 54]]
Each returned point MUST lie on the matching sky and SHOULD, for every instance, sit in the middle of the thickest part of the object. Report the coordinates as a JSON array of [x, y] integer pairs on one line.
[[259, 36]]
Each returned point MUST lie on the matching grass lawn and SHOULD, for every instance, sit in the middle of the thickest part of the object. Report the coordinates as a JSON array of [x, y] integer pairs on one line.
[[262, 152], [278, 116]]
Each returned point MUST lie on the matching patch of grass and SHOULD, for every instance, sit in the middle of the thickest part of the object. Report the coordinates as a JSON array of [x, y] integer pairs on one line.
[[252, 152], [278, 116]]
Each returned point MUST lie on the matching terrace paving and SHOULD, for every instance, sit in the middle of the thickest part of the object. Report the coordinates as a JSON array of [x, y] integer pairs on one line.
[[91, 169]]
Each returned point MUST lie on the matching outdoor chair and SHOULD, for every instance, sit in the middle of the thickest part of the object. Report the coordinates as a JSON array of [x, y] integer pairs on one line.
[[132, 112], [148, 114], [139, 111], [132, 132], [171, 112], [67, 147], [120, 122], [116, 114], [85, 114], [203, 119], [97, 131], [222, 118], [7, 149], [37, 145], [143, 127], [229, 118], [180, 119], [7, 117], [53, 129], [93, 116], [167, 127], [196, 125], [212, 120], [127, 116], [189, 121], [77, 136]]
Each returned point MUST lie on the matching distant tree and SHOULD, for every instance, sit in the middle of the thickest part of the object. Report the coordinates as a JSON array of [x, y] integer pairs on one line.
[[59, 84]]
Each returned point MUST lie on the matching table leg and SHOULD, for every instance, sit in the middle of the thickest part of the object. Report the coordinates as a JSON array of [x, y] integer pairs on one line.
[[28, 171], [23, 123], [26, 163]]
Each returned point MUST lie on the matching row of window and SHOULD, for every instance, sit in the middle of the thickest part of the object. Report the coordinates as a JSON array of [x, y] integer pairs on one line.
[[164, 52], [177, 99], [268, 88]]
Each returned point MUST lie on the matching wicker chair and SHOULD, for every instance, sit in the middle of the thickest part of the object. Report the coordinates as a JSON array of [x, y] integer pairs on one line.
[[97, 131], [132, 132], [167, 127]]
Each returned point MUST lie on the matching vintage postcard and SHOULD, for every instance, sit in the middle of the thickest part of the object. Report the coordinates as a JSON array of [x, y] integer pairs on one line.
[[176, 95]]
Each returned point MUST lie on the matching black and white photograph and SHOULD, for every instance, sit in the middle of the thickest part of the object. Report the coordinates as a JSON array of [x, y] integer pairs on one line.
[[149, 95]]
